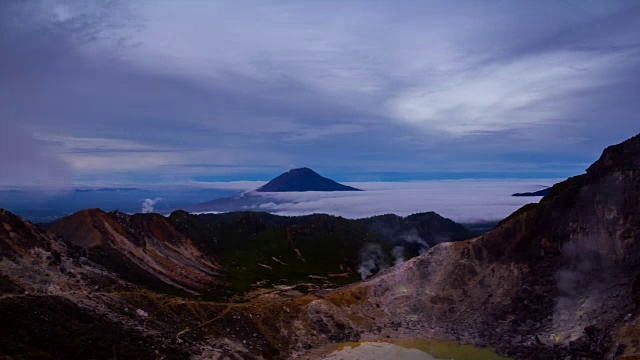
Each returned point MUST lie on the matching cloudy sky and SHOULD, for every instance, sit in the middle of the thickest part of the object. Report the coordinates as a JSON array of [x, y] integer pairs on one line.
[[148, 92]]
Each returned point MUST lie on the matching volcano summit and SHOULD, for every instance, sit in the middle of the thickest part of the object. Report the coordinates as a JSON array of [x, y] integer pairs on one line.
[[303, 179], [295, 180]]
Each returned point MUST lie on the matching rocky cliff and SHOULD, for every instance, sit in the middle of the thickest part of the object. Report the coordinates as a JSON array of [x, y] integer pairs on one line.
[[558, 279]]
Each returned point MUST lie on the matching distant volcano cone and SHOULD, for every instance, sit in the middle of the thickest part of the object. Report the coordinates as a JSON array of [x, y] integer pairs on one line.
[[303, 179]]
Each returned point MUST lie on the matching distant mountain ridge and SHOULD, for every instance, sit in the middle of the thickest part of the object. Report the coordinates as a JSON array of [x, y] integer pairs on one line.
[[543, 192], [303, 179], [222, 255]]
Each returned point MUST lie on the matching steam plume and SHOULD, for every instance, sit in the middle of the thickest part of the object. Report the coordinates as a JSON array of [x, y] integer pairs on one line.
[[371, 258], [148, 204], [398, 255], [412, 237]]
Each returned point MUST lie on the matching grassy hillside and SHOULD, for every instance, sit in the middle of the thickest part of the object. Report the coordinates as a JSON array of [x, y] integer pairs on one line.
[[261, 249], [264, 249]]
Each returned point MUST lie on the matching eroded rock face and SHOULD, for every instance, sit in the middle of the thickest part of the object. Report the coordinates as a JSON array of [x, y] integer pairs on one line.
[[35, 261], [143, 248], [555, 278]]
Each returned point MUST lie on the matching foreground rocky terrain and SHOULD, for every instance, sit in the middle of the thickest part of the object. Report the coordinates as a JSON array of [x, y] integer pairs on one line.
[[555, 280]]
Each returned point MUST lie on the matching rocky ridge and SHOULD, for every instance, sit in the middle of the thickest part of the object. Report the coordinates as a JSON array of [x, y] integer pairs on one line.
[[556, 280], [141, 248]]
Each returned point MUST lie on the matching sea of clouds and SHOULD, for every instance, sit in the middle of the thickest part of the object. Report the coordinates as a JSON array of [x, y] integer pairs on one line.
[[466, 201]]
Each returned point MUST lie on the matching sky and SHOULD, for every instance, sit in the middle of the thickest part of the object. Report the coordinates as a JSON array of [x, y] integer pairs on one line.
[[181, 92]]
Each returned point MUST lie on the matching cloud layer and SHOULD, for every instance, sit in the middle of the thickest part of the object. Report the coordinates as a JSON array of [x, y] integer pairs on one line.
[[466, 201]]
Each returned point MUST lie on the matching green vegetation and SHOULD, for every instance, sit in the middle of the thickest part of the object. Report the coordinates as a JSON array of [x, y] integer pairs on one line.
[[268, 249], [323, 250]]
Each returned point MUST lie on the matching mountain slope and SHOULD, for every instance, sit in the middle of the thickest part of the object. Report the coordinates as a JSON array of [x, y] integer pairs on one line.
[[559, 279], [313, 251], [54, 301], [224, 256], [303, 179], [142, 248], [80, 301]]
